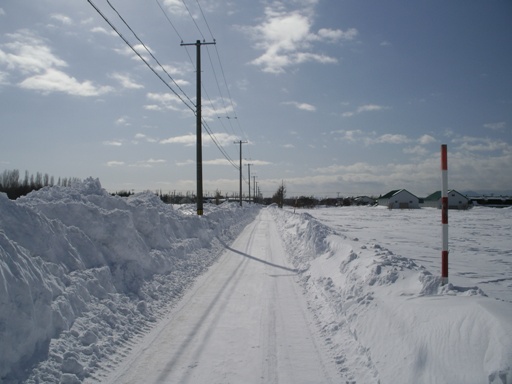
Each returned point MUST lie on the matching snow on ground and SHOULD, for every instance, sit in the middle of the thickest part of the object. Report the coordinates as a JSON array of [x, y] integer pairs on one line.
[[84, 276], [372, 279]]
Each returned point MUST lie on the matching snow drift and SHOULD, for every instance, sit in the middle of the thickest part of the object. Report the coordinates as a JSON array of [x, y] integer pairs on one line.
[[388, 319], [82, 273]]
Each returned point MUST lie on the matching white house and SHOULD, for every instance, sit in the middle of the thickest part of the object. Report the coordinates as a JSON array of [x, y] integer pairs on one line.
[[400, 198], [456, 200]]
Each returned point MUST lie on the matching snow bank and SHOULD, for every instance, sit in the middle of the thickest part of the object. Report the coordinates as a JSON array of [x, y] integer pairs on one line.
[[387, 319], [83, 273]]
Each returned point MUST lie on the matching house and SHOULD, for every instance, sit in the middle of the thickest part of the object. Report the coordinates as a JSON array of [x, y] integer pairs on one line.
[[400, 198], [364, 200], [456, 200]]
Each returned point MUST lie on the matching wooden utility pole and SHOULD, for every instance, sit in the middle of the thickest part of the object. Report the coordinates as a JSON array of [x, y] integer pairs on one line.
[[241, 142], [249, 169], [199, 145]]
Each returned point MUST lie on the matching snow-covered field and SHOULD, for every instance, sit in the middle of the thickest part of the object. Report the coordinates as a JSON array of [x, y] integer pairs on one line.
[[372, 280], [86, 277]]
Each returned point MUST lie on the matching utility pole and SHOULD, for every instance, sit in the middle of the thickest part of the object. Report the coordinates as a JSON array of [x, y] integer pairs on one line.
[[249, 169], [240, 142], [199, 145], [254, 187]]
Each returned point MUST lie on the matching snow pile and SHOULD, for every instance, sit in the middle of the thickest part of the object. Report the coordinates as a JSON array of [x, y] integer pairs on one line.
[[83, 273], [387, 319]]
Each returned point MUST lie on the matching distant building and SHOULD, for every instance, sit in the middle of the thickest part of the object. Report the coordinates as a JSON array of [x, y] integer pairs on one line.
[[456, 200], [399, 199], [364, 200]]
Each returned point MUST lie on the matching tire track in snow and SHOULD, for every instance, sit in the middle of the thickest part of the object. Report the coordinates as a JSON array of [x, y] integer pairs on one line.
[[244, 321]]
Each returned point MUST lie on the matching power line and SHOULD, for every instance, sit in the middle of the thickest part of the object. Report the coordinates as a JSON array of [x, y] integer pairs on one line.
[[207, 128], [138, 54], [194, 20], [148, 51]]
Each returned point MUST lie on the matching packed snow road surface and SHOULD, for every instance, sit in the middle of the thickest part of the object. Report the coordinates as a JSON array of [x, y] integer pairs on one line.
[[244, 321]]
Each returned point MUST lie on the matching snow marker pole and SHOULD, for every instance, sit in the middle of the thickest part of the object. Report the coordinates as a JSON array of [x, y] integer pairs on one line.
[[444, 214]]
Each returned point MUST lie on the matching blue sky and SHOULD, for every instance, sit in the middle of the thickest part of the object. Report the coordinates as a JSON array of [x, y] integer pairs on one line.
[[333, 97]]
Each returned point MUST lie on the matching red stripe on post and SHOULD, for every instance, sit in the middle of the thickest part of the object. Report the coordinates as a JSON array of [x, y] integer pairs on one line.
[[444, 157], [444, 210], [444, 264]]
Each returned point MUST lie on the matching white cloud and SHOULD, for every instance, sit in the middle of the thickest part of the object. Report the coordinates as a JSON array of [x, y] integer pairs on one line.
[[426, 139], [164, 101], [125, 80], [217, 162], [500, 126], [2, 12], [62, 18], [286, 38], [54, 80], [365, 108], [350, 135], [115, 143], [103, 31], [139, 48], [156, 161], [175, 7], [288, 146], [190, 139], [142, 136], [416, 150], [392, 139], [476, 144], [371, 138], [29, 55], [115, 163], [123, 120], [302, 106]]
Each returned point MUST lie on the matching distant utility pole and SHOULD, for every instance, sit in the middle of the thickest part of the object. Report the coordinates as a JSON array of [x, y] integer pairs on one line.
[[254, 187], [199, 145], [249, 169], [240, 142]]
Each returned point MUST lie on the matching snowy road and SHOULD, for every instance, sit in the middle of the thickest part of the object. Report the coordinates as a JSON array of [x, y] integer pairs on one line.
[[244, 321]]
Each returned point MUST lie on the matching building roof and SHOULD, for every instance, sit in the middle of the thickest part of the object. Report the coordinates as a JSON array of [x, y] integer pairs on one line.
[[390, 194], [437, 195]]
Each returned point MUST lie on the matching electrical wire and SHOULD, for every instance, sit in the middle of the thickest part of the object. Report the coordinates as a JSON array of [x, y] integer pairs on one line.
[[138, 54], [148, 51]]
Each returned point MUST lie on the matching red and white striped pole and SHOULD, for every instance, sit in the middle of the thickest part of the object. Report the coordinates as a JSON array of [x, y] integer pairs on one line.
[[444, 214]]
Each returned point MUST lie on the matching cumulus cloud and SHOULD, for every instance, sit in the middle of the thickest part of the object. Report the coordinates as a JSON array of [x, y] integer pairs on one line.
[[31, 57], [114, 143], [190, 139], [365, 108], [302, 106], [142, 136], [287, 38], [164, 101], [115, 163], [500, 126], [54, 80], [426, 139], [126, 81], [417, 150], [392, 139], [477, 144], [62, 18]]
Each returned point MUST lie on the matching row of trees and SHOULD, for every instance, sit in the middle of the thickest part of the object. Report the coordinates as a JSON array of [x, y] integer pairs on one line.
[[14, 186]]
